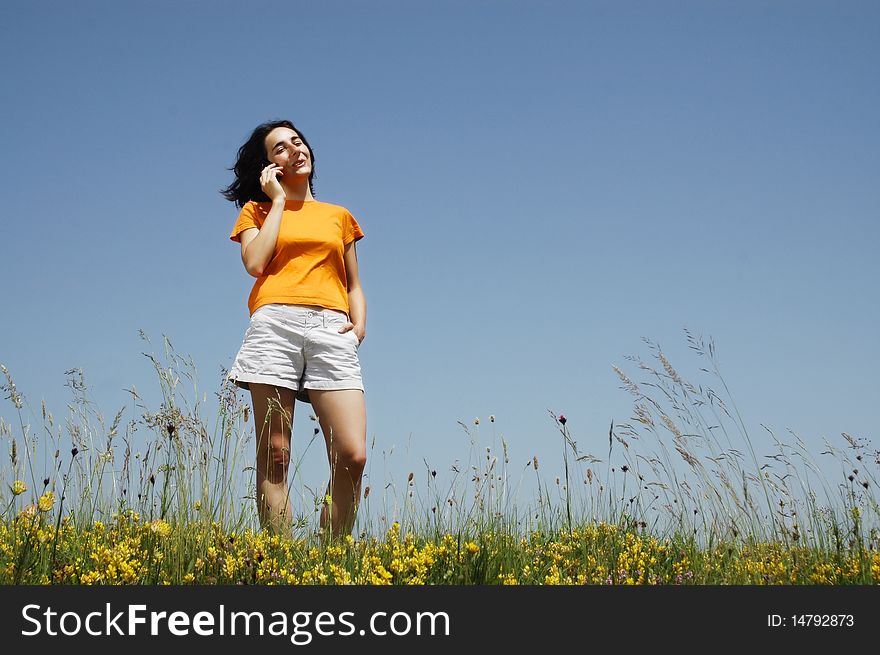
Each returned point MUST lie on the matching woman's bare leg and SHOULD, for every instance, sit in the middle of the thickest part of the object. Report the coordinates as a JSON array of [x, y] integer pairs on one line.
[[273, 414], [343, 417]]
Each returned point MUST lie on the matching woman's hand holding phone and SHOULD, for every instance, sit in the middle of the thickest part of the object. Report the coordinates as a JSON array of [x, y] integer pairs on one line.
[[270, 184]]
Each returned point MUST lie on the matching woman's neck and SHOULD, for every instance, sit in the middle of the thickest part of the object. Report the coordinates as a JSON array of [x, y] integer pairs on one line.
[[297, 191]]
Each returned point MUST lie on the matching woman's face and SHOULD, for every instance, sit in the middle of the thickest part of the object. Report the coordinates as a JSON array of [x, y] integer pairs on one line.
[[285, 148]]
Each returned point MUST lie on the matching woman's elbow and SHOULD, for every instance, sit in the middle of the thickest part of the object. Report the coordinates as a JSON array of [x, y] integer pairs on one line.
[[254, 268], [254, 271], [252, 265]]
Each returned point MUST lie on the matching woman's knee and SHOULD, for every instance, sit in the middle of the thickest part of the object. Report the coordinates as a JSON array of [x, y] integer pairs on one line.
[[352, 460], [279, 451], [273, 457]]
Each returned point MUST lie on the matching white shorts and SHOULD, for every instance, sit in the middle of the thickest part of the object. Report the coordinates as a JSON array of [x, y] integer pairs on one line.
[[298, 347]]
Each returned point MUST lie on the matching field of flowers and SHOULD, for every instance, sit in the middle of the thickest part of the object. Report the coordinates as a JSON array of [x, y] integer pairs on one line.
[[688, 501], [131, 550]]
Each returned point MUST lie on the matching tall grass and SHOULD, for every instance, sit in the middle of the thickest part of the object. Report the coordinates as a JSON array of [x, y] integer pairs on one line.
[[683, 475], [736, 485]]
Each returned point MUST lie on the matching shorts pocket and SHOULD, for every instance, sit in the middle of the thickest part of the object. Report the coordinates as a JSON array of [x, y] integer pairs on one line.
[[263, 312], [351, 335]]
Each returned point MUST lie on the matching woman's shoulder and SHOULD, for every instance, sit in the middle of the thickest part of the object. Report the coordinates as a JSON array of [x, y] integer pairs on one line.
[[315, 203], [318, 206], [321, 206], [331, 206]]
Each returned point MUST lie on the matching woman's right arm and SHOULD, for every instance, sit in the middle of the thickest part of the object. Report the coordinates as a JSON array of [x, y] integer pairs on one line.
[[258, 245]]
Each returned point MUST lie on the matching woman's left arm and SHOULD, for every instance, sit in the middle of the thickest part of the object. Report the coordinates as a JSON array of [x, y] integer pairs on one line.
[[357, 303]]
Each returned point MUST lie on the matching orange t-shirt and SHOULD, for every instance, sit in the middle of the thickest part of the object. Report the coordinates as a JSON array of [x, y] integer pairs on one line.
[[307, 267]]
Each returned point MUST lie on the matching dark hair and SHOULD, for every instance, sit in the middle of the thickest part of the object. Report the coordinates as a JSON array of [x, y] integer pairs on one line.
[[252, 159]]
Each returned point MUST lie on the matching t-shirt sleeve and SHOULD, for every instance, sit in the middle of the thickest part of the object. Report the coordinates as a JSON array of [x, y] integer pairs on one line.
[[247, 218], [353, 231]]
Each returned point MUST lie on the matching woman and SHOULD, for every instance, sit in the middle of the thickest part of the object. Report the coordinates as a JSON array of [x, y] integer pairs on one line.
[[308, 318]]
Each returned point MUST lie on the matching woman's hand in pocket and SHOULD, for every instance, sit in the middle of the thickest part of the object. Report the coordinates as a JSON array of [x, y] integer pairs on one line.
[[358, 330]]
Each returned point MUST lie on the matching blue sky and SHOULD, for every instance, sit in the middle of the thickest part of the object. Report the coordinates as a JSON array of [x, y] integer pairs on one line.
[[541, 185]]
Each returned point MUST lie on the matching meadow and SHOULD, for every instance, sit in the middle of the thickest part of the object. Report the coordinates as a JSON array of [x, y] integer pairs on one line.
[[684, 495]]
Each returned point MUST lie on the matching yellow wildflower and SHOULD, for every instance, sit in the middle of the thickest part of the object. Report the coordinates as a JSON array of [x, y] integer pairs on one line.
[[47, 500], [160, 527], [18, 488]]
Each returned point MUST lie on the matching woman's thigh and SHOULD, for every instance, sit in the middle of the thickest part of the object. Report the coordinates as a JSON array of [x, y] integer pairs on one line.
[[343, 417], [273, 417]]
